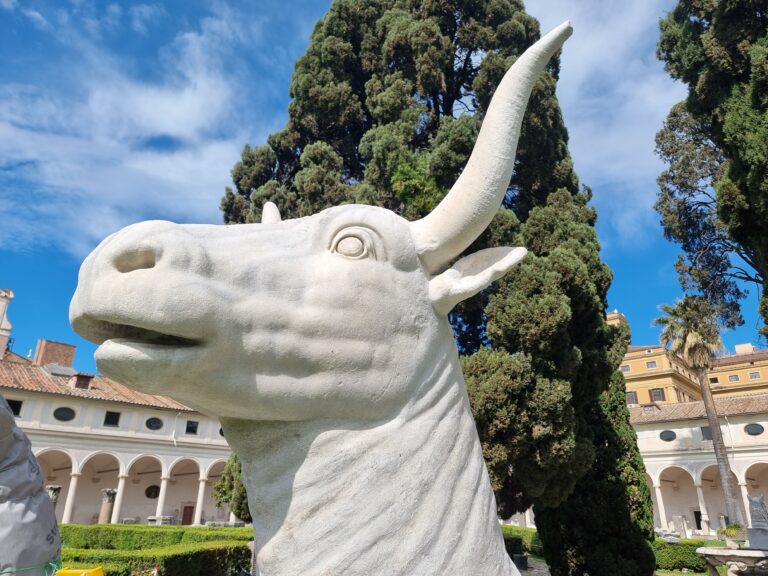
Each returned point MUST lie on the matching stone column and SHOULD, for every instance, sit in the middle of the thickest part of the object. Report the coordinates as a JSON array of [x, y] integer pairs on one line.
[[232, 518], [53, 493], [161, 497], [200, 499], [660, 504], [529, 523], [703, 509], [70, 503], [118, 500], [745, 500], [107, 503]]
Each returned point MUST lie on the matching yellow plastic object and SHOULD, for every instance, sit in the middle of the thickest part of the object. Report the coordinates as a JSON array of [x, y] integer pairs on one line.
[[98, 571]]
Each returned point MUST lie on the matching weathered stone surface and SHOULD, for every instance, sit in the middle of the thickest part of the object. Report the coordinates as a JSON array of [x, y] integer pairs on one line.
[[323, 346]]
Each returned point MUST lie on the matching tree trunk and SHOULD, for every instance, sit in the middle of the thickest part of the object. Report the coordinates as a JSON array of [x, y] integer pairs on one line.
[[732, 509]]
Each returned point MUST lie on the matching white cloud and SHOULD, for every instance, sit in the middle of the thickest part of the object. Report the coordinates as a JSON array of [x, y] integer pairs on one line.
[[83, 160], [615, 95], [36, 18], [145, 15]]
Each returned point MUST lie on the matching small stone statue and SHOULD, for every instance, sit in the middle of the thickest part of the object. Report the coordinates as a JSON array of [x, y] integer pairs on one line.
[[29, 536], [758, 511]]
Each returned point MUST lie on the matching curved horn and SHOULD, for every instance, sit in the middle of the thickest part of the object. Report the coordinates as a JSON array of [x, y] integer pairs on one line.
[[477, 195], [270, 214]]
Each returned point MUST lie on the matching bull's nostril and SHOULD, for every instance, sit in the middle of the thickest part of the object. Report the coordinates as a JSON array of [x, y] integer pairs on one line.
[[136, 259]]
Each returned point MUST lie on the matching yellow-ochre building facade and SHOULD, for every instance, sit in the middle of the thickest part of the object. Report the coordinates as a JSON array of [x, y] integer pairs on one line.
[[674, 437]]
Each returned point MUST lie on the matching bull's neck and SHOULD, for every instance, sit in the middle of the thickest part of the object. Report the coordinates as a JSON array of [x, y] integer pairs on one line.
[[407, 495]]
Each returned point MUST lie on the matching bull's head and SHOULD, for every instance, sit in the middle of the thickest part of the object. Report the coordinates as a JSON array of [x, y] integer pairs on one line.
[[331, 315]]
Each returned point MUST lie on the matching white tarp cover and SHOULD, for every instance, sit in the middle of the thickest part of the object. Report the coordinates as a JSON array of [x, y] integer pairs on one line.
[[29, 536]]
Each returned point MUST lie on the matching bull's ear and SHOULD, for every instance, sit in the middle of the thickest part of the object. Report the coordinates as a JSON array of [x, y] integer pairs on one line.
[[470, 275]]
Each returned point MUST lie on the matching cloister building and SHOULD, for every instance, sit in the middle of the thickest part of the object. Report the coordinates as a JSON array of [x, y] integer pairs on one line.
[[90, 433], [158, 459]]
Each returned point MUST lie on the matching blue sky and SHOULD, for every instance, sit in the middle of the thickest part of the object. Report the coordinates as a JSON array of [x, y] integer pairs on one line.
[[112, 113]]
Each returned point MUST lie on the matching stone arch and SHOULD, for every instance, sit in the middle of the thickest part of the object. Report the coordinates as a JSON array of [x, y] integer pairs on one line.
[[98, 471], [217, 464], [185, 462], [121, 465], [211, 512], [56, 467], [754, 472], [184, 476], [756, 483], [713, 494], [142, 488], [135, 459], [679, 496]]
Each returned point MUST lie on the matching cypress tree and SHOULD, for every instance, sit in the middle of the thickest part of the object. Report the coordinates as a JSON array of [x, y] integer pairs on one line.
[[230, 491], [386, 105], [714, 196]]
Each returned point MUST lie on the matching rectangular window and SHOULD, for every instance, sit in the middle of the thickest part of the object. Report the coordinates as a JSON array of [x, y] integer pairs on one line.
[[15, 406], [713, 380], [112, 418], [657, 394], [631, 398], [754, 375], [706, 433], [651, 364], [625, 368], [733, 378], [191, 427]]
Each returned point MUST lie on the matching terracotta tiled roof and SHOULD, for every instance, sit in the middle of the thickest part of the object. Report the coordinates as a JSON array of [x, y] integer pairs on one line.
[[640, 348], [740, 358], [10, 356], [730, 406], [20, 376]]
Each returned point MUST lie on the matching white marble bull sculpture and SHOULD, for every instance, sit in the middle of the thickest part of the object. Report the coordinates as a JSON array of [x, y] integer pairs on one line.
[[323, 346]]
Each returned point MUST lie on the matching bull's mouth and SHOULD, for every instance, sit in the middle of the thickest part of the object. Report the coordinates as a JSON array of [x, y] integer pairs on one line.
[[100, 331]]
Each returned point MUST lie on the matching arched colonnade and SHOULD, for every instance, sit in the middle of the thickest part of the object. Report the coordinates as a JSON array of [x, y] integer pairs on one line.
[[105, 486], [693, 492]]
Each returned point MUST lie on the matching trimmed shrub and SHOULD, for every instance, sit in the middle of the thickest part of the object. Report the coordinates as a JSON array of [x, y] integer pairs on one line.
[[133, 537], [513, 545], [528, 537], [198, 559], [679, 555]]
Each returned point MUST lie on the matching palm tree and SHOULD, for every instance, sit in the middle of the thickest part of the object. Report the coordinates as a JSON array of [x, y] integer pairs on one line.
[[690, 330]]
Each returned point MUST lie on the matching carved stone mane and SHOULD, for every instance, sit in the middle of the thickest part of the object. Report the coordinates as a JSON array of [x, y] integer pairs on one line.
[[323, 346]]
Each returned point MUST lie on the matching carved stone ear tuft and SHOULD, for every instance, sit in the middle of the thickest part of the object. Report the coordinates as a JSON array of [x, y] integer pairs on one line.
[[270, 213], [470, 275]]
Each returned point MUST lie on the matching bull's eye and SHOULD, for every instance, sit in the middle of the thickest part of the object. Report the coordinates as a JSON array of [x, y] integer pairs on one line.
[[351, 246], [355, 243]]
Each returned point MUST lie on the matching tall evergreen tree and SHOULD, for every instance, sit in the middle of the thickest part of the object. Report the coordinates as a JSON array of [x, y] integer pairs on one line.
[[714, 197], [230, 491], [551, 309], [386, 105]]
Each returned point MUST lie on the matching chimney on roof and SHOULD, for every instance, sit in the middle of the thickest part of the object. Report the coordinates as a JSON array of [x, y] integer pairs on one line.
[[81, 381], [50, 352], [6, 296], [744, 349]]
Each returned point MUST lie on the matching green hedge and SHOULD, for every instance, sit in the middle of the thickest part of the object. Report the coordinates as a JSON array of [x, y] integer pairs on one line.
[[518, 540], [669, 556], [679, 555], [198, 559], [136, 537]]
